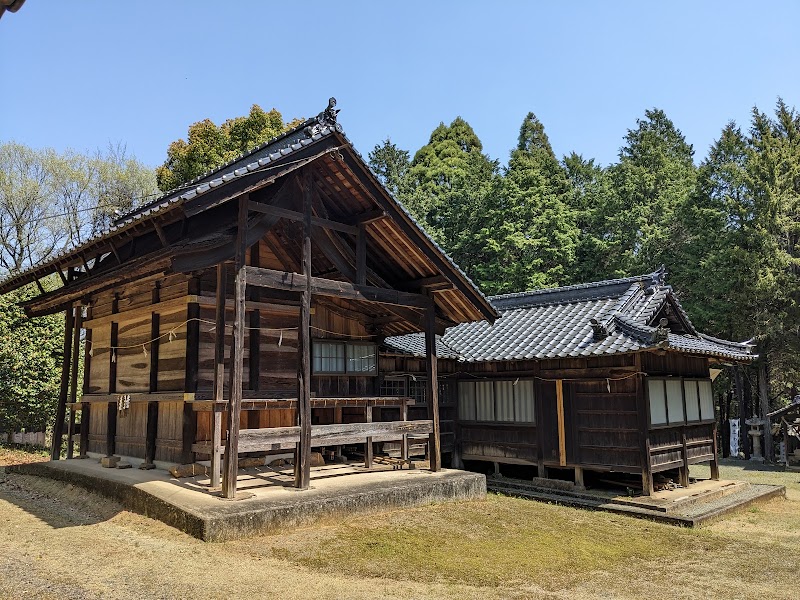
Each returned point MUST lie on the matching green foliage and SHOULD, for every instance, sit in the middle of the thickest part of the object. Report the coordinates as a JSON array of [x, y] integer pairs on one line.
[[30, 355], [391, 165], [208, 146], [448, 187], [654, 176]]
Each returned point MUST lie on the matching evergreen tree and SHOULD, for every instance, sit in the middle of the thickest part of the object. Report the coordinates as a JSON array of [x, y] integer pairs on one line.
[[654, 176], [449, 181], [390, 164], [590, 194], [534, 224]]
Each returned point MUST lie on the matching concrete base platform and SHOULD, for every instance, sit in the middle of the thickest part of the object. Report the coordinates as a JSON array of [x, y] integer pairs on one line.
[[268, 503], [700, 502]]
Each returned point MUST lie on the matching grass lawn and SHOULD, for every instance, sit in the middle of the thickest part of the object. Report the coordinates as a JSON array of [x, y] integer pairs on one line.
[[498, 548]]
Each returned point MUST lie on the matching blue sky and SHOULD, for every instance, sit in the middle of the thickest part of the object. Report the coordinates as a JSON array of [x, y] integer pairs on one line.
[[81, 74]]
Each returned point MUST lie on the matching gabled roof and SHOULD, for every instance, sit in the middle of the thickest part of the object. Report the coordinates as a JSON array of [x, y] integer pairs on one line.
[[404, 254], [593, 319]]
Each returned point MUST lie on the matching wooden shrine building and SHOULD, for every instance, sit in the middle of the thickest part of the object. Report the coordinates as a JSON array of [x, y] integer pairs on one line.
[[256, 296], [605, 377]]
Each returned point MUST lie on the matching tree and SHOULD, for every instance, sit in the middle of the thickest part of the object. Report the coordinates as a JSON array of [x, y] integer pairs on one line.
[[654, 176], [589, 196], [449, 182], [534, 224], [30, 355], [208, 146], [51, 200], [390, 164]]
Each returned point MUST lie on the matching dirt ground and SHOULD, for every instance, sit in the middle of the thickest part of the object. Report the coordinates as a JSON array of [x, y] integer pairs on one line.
[[58, 541]]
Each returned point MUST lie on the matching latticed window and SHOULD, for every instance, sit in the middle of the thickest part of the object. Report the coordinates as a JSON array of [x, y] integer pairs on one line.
[[361, 358], [675, 401], [394, 387]]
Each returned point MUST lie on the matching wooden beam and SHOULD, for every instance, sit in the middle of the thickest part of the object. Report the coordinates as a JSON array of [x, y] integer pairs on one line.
[[296, 282], [219, 376], [230, 468], [61, 409], [293, 215], [368, 217], [161, 235], [431, 368], [361, 256], [303, 463], [73, 394], [277, 438]]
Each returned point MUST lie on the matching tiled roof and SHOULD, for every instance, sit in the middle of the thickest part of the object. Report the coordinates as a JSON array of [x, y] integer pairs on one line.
[[274, 150], [556, 323]]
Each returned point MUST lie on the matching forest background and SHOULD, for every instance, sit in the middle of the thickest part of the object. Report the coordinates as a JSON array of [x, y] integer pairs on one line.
[[727, 226]]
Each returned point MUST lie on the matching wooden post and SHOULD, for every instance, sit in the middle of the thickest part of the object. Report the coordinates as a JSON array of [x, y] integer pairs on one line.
[[643, 406], [579, 477], [404, 442], [231, 466], [562, 441], [431, 368], [368, 445], [58, 427], [73, 394], [152, 407], [715, 460], [111, 428], [683, 470], [763, 393], [303, 466], [87, 369], [219, 377], [189, 430]]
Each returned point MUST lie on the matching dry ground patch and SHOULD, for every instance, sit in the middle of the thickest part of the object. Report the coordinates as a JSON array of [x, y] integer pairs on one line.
[[62, 542]]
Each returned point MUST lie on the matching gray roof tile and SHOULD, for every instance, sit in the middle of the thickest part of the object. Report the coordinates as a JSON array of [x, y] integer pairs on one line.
[[555, 323]]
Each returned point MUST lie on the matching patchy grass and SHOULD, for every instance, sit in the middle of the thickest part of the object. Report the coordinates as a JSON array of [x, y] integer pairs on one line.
[[18, 454], [499, 548]]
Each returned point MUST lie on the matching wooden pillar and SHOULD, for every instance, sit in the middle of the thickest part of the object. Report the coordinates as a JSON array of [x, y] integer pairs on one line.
[[231, 465], [152, 407], [85, 406], [303, 463], [189, 430], [562, 440], [219, 377], [715, 460], [368, 445], [111, 426], [431, 368], [643, 407], [763, 394], [58, 426], [73, 394], [683, 470], [404, 442]]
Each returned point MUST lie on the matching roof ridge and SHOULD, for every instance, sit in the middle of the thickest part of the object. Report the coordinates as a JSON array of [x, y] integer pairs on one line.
[[577, 286]]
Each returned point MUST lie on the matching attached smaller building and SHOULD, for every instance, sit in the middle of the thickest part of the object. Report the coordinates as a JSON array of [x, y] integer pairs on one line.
[[608, 376]]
